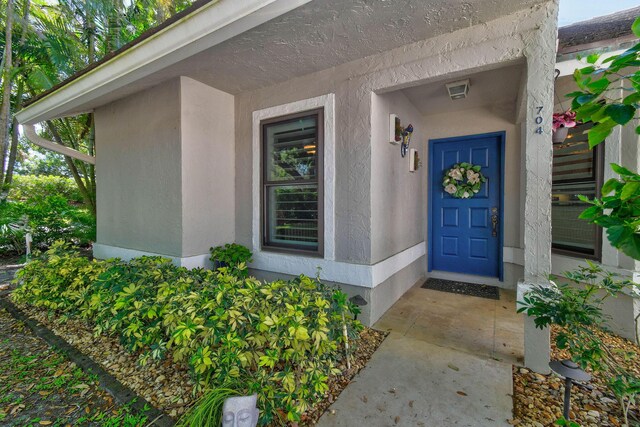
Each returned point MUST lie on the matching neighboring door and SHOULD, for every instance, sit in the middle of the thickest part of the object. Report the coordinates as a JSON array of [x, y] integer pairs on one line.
[[466, 234]]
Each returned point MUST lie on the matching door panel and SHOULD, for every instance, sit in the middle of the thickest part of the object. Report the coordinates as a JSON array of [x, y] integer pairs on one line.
[[461, 230]]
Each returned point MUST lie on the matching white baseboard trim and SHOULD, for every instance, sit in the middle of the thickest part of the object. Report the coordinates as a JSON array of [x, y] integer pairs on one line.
[[368, 276], [102, 251], [513, 255]]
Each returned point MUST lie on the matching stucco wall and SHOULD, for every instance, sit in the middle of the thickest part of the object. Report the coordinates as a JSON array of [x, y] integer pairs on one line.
[[138, 171], [165, 172], [208, 167], [473, 49], [397, 195]]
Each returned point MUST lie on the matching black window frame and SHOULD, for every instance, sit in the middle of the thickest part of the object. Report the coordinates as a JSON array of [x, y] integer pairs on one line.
[[598, 168], [265, 184]]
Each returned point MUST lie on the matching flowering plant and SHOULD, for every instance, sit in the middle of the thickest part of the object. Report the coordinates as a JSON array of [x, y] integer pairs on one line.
[[566, 120], [463, 180]]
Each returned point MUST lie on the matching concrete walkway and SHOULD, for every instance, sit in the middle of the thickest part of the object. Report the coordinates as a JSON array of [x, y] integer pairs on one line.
[[419, 378]]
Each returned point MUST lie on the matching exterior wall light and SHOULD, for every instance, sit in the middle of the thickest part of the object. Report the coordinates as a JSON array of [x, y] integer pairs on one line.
[[458, 90]]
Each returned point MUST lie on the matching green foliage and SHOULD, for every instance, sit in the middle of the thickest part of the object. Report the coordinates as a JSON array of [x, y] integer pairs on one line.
[[280, 340], [593, 103], [233, 256], [568, 423], [618, 213], [28, 187], [207, 412], [576, 308], [49, 208]]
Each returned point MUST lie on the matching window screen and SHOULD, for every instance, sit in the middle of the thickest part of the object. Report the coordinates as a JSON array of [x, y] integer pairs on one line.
[[576, 170], [292, 182]]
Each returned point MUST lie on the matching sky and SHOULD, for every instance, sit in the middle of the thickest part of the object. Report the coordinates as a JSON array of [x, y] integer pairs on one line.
[[580, 10]]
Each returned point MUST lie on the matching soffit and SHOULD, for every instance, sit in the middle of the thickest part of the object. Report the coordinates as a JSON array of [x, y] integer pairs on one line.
[[317, 35], [487, 88]]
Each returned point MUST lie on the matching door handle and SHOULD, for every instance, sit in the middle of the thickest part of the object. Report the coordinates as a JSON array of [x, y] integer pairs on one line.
[[494, 222]]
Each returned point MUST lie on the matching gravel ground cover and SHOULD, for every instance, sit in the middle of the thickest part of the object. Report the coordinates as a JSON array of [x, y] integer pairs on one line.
[[538, 398], [167, 385], [41, 387]]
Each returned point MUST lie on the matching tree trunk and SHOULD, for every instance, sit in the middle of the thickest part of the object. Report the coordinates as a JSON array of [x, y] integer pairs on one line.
[[15, 138], [88, 191], [6, 91]]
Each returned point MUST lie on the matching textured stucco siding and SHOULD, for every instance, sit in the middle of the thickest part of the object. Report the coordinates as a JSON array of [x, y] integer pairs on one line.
[[138, 171], [481, 47], [397, 195], [208, 167]]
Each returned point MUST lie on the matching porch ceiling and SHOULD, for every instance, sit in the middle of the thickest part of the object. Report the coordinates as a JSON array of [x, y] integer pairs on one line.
[[487, 88], [317, 35], [327, 33]]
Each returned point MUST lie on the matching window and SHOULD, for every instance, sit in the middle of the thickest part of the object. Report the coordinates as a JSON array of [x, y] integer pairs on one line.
[[292, 191], [576, 170]]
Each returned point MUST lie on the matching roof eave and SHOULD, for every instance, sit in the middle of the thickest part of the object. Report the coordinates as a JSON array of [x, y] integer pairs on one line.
[[208, 26]]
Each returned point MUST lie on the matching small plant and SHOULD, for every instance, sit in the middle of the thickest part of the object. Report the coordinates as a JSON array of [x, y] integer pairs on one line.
[[207, 412], [564, 120], [233, 256], [576, 309]]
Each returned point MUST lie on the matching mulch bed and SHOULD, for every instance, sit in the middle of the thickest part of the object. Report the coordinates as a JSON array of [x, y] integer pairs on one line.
[[167, 385], [538, 399], [40, 387]]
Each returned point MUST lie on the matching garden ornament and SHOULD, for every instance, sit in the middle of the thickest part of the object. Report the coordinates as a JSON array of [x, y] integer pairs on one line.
[[240, 411], [571, 372], [406, 140]]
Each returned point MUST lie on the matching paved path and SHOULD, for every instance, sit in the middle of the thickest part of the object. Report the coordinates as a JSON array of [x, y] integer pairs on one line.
[[410, 382]]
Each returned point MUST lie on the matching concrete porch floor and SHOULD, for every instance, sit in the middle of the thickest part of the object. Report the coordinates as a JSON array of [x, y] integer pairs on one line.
[[447, 361], [479, 326]]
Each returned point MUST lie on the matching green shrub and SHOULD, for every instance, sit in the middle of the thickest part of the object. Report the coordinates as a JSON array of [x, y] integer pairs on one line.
[[49, 207], [27, 187], [280, 340], [233, 256], [49, 219], [576, 309]]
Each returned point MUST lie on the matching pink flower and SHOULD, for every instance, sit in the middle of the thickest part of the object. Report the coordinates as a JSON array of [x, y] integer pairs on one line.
[[566, 119]]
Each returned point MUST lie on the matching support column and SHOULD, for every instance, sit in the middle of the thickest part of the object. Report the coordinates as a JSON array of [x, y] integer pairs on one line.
[[540, 52]]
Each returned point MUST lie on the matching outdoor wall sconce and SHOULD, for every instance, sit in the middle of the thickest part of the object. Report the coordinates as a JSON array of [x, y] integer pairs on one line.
[[395, 130], [414, 160], [571, 372]]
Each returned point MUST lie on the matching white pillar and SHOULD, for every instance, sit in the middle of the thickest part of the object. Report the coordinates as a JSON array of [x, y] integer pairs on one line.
[[540, 52]]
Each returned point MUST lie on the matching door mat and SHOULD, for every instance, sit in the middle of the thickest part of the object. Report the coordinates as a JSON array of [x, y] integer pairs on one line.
[[463, 288]]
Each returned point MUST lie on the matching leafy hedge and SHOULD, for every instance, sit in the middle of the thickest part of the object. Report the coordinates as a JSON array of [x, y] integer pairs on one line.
[[26, 187], [48, 206], [281, 340]]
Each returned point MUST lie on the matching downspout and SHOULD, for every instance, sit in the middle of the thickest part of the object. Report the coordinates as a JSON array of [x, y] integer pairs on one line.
[[30, 133]]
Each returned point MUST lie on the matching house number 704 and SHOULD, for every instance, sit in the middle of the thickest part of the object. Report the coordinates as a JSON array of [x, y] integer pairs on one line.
[[538, 121]]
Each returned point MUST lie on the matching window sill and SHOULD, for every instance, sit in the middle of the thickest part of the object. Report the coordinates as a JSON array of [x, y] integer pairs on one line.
[[290, 251]]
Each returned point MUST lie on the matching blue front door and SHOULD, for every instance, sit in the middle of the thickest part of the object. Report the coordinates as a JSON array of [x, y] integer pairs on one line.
[[465, 234]]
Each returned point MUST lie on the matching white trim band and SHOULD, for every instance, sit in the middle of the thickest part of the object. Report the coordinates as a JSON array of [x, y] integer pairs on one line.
[[102, 251], [368, 276]]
